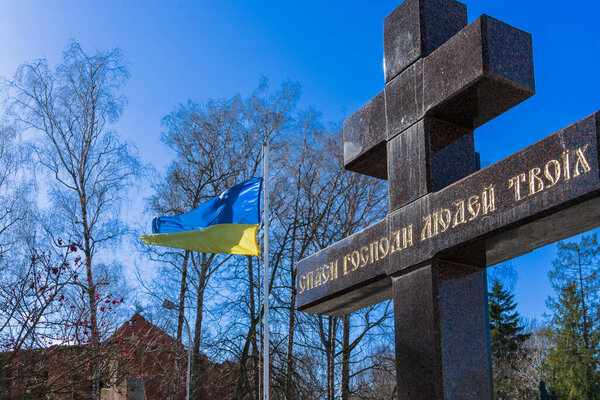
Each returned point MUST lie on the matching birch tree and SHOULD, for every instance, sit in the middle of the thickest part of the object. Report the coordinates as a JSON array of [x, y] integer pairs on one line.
[[70, 109]]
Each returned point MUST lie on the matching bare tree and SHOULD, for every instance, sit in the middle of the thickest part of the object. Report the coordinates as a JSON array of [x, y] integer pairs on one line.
[[198, 136], [526, 369], [378, 380], [317, 203], [16, 193], [44, 324], [217, 144], [314, 203], [72, 107]]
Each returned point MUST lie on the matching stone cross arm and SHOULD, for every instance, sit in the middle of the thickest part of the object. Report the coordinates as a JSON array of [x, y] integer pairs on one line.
[[542, 194], [447, 220], [483, 70]]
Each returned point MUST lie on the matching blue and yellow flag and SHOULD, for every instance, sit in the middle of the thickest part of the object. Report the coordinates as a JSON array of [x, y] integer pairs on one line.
[[227, 223]]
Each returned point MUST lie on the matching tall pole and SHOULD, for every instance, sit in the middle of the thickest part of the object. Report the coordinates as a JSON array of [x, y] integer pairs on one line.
[[266, 278]]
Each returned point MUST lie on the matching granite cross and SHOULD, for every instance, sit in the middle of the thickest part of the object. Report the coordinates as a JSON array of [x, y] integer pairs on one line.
[[447, 219]]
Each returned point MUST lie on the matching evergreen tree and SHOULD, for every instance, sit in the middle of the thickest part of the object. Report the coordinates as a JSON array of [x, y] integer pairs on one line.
[[507, 337], [505, 330], [574, 358], [572, 365]]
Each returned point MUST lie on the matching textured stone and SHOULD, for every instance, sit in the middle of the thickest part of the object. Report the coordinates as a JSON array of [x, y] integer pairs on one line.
[[356, 282], [441, 332], [514, 227], [365, 137], [484, 70], [416, 28], [428, 156], [447, 220], [538, 198]]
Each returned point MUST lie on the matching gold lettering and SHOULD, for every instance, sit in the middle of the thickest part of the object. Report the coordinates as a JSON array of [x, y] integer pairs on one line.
[[325, 272], [442, 219], [374, 251], [536, 184], [407, 236], [355, 260], [515, 182], [489, 199], [473, 207], [384, 246], [334, 269], [301, 283], [426, 232], [581, 161], [364, 260], [566, 165], [318, 277], [346, 258], [396, 242], [553, 178], [309, 280], [436, 221], [459, 216]]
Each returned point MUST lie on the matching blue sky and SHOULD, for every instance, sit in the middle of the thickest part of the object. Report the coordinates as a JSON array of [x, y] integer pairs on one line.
[[181, 50]]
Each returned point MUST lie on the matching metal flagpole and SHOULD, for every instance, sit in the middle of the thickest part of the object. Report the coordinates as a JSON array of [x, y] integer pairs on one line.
[[266, 277]]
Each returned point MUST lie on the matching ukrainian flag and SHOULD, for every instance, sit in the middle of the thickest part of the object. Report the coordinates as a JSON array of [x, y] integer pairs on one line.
[[227, 223]]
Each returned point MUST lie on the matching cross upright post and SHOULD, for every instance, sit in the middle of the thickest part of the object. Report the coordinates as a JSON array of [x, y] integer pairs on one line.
[[418, 133], [447, 219]]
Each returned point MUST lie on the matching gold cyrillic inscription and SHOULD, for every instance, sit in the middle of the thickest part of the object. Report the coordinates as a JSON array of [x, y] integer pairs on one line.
[[325, 270], [581, 161], [318, 277], [377, 250], [459, 215], [364, 256], [407, 236], [515, 182], [426, 232], [536, 184], [537, 181], [568, 165], [355, 258], [552, 172], [384, 246], [489, 199], [441, 220], [334, 269], [473, 207]]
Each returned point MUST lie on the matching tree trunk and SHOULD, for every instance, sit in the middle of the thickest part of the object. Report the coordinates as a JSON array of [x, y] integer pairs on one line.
[[180, 322], [583, 307], [196, 390], [588, 370], [328, 341], [346, 358], [242, 374], [254, 385], [289, 367], [91, 291], [243, 386], [289, 370]]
